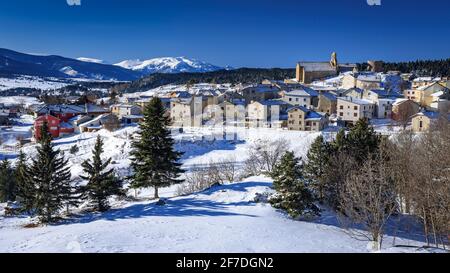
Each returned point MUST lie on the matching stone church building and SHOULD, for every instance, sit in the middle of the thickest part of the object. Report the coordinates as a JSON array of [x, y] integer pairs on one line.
[[307, 72]]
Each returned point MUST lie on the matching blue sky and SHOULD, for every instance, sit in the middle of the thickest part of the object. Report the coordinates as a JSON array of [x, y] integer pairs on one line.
[[264, 33]]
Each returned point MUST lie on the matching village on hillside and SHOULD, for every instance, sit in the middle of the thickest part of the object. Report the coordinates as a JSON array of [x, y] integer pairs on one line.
[[323, 96], [230, 146]]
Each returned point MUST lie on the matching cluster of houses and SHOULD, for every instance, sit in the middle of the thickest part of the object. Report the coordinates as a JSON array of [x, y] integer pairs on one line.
[[7, 112], [322, 93], [64, 119]]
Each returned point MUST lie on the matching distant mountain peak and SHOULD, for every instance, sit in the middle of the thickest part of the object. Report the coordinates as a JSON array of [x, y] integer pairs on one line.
[[168, 65], [91, 60]]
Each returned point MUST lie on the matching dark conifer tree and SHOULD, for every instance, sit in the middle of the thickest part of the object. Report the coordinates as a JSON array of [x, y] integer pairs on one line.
[[318, 158], [25, 186], [340, 142], [8, 187], [362, 140], [102, 183], [154, 159], [293, 194], [50, 175]]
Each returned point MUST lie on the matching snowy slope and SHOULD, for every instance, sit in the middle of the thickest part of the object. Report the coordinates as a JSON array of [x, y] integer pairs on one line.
[[222, 219], [168, 65], [14, 63]]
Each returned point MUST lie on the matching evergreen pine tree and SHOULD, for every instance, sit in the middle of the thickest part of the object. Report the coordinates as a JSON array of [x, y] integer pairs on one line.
[[7, 182], [102, 183], [25, 186], [362, 140], [317, 162], [340, 143], [154, 160], [51, 179], [294, 195]]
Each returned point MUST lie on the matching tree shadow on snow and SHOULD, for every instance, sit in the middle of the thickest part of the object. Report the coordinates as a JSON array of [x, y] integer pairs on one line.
[[202, 147], [192, 205], [404, 227]]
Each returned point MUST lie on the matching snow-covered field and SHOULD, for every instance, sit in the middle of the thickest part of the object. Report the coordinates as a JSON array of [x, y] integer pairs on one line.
[[222, 219], [31, 82], [21, 100]]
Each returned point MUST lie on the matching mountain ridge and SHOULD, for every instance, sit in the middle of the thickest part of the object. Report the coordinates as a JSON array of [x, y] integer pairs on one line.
[[16, 63], [169, 65]]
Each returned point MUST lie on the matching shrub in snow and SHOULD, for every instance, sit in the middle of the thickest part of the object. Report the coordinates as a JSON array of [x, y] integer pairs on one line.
[[74, 149], [262, 197], [199, 179], [264, 155], [161, 202]]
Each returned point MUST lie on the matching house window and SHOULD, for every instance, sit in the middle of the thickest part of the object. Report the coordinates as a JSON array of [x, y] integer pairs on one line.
[[341, 107], [355, 114], [341, 114], [355, 108], [290, 99], [420, 124]]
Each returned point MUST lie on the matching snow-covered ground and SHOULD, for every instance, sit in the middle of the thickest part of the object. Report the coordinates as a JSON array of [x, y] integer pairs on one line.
[[19, 100], [222, 219], [32, 82]]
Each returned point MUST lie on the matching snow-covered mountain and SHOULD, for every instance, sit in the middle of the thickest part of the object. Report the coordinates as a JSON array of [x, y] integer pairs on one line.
[[169, 65], [14, 63], [91, 60]]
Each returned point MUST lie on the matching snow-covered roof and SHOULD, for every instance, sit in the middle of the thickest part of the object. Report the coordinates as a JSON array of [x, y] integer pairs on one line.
[[317, 66], [133, 116], [87, 124], [428, 114], [399, 101], [126, 106], [426, 79], [437, 94], [312, 115], [356, 101], [369, 78], [273, 102], [303, 92], [329, 96], [65, 125], [298, 107], [71, 109], [426, 87]]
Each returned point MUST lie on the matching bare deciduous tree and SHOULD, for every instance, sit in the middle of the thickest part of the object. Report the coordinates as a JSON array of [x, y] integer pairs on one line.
[[264, 155], [368, 198]]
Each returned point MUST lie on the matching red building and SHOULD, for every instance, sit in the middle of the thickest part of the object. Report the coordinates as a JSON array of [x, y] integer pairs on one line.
[[55, 126]]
